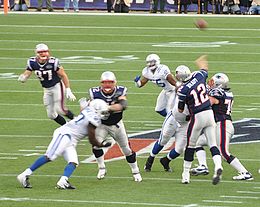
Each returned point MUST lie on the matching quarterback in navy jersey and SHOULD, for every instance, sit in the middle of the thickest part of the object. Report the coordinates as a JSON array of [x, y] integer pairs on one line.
[[221, 99], [193, 92], [54, 81], [115, 97]]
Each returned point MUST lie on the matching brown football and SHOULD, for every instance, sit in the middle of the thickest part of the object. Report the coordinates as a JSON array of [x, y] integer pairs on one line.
[[201, 24]]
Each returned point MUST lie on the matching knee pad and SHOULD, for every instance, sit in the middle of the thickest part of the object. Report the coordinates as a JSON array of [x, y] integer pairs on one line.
[[131, 158], [214, 151], [189, 154], [97, 152]]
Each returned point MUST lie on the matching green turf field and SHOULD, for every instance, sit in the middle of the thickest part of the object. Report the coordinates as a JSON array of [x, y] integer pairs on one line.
[[87, 45]]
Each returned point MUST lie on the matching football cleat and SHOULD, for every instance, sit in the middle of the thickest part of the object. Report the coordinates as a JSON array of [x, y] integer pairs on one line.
[[165, 163], [101, 173], [137, 177], [185, 178], [217, 176], [200, 170], [149, 164], [244, 176], [64, 184], [24, 180]]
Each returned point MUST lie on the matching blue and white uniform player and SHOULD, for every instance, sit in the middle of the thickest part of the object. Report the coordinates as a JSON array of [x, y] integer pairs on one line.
[[54, 81], [174, 125], [161, 76], [115, 96], [221, 99], [195, 95], [65, 140]]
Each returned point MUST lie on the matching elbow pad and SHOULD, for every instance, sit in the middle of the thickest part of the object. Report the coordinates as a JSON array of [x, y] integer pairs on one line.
[[123, 103]]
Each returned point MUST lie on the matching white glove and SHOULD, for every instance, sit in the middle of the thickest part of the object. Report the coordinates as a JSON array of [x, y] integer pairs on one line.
[[22, 78], [70, 95], [83, 103]]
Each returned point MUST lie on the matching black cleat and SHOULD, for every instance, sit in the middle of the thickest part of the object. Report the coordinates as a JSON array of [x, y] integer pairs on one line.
[[165, 163], [217, 177], [149, 164]]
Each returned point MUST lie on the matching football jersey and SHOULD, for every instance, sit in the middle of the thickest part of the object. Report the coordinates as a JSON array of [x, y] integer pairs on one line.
[[159, 77], [194, 93], [77, 127], [97, 93], [47, 72], [222, 110]]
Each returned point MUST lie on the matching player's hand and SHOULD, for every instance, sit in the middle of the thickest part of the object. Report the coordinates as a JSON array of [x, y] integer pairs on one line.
[[106, 144], [70, 95], [22, 78], [137, 81], [83, 103]]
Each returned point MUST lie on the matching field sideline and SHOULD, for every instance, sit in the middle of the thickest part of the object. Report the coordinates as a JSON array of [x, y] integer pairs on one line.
[[88, 44]]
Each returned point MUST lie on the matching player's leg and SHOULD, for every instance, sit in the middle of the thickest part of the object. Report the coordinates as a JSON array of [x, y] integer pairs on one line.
[[101, 134], [225, 131], [169, 128], [161, 104], [202, 169], [70, 155], [119, 134]]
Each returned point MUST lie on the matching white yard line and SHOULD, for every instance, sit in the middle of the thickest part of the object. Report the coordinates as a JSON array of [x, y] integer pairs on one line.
[[218, 201], [241, 197]]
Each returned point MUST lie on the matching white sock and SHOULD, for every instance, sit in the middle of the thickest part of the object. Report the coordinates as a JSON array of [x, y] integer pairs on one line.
[[134, 167], [201, 155], [186, 166], [101, 162], [217, 161], [238, 166], [28, 171]]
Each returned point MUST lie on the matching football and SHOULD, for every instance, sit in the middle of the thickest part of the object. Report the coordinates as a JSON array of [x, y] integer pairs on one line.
[[201, 24]]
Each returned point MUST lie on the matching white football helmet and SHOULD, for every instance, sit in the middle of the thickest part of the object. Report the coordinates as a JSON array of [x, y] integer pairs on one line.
[[108, 81], [152, 61], [182, 73], [42, 52], [220, 80], [101, 108]]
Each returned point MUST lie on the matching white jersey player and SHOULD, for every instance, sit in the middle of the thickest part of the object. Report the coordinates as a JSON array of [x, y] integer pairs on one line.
[[54, 81], [65, 140], [161, 76], [174, 125]]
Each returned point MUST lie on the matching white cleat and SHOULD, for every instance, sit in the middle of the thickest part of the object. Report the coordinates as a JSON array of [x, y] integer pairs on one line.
[[24, 180], [137, 177], [244, 176], [185, 178], [217, 176], [101, 173], [200, 170], [64, 184]]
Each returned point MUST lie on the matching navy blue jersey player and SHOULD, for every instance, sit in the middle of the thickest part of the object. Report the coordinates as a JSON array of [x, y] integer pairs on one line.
[[54, 81], [194, 93], [221, 99], [115, 96]]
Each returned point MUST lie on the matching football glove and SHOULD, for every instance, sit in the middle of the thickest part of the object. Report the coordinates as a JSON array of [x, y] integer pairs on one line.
[[70, 95], [83, 103], [22, 78], [137, 81]]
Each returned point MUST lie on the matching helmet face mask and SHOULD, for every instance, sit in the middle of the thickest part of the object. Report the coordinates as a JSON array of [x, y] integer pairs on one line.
[[108, 82], [220, 80], [182, 73], [152, 61], [100, 107], [42, 52]]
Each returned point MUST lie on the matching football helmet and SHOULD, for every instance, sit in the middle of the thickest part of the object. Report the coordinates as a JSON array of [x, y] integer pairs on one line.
[[101, 108], [152, 61], [182, 73], [42, 52], [108, 82], [220, 80]]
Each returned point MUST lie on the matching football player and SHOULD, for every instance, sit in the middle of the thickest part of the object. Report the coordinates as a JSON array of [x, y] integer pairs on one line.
[[115, 96], [221, 99], [65, 140], [160, 75], [175, 124], [193, 93], [54, 81]]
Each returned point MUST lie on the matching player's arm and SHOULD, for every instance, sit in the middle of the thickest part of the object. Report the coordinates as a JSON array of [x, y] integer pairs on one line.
[[24, 76], [213, 100], [171, 80], [92, 137], [202, 62], [140, 81], [120, 105], [62, 74]]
